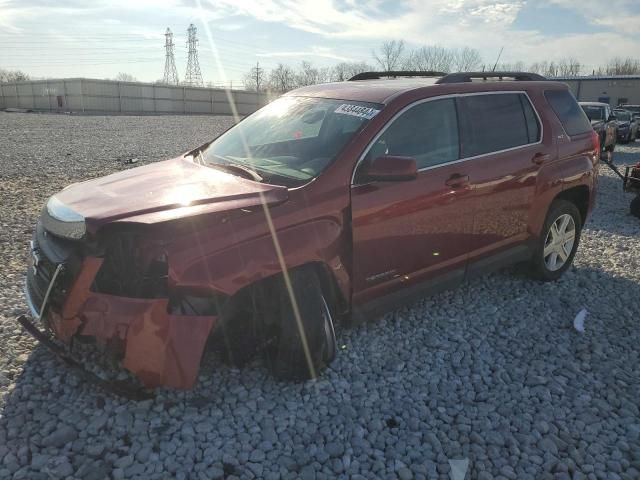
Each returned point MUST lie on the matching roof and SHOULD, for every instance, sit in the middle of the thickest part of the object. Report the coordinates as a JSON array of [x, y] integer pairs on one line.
[[594, 104], [597, 77], [385, 90], [375, 91]]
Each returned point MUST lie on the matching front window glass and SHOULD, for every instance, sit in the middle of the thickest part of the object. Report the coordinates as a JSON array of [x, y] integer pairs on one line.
[[291, 140], [427, 132], [593, 112]]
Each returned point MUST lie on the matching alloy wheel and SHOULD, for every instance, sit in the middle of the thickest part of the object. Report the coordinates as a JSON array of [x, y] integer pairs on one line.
[[559, 242]]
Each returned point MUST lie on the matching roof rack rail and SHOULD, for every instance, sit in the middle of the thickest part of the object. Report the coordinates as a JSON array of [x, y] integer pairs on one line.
[[398, 73], [469, 76]]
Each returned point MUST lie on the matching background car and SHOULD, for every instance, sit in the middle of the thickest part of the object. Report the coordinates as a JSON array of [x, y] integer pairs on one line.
[[627, 125], [635, 109], [603, 122]]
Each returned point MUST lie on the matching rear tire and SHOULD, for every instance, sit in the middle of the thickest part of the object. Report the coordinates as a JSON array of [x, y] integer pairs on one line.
[[558, 241], [303, 346]]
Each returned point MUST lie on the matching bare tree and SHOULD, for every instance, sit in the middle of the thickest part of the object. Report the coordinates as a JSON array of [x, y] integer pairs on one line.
[[569, 67], [307, 75], [431, 58], [345, 70], [282, 78], [125, 77], [467, 60], [538, 67], [552, 70], [324, 74], [518, 66], [390, 56], [255, 79], [623, 66], [12, 76]]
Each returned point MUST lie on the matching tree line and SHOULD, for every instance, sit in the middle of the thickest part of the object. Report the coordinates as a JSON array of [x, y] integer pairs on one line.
[[394, 55], [12, 75]]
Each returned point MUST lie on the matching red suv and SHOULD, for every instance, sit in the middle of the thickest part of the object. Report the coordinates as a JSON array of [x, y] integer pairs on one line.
[[332, 201]]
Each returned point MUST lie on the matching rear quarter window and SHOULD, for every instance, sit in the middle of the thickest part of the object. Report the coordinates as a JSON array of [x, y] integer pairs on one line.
[[566, 108]]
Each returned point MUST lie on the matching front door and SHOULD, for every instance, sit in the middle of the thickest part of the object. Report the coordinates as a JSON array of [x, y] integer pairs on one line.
[[407, 232]]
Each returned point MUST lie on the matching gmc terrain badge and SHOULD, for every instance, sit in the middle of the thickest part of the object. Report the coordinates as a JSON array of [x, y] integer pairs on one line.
[[379, 276]]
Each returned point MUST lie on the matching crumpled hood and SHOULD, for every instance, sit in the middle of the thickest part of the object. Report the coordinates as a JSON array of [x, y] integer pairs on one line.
[[163, 191]]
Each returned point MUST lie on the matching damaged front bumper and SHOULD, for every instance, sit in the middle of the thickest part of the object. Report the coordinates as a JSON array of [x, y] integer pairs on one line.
[[158, 347], [122, 389]]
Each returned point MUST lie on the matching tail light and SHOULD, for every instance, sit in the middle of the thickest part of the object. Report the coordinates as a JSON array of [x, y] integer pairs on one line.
[[595, 142]]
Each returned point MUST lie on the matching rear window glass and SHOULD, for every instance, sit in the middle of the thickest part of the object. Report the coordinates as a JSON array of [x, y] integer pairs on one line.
[[491, 123], [594, 112], [573, 119]]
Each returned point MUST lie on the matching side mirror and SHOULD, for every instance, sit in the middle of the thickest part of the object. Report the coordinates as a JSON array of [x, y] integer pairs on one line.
[[611, 118], [392, 168]]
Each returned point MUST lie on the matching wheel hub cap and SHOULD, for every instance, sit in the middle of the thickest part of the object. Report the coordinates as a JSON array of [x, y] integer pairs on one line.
[[559, 242]]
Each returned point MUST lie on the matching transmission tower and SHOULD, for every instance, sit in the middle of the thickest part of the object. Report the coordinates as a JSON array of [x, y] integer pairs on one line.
[[170, 71], [193, 76]]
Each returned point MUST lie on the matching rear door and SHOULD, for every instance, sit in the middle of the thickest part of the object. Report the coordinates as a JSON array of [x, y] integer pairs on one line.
[[501, 135], [410, 231]]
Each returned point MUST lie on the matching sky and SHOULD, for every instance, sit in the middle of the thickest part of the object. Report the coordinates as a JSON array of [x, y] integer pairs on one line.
[[100, 38]]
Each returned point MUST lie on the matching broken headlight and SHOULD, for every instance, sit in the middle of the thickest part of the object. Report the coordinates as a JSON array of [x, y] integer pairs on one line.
[[62, 221]]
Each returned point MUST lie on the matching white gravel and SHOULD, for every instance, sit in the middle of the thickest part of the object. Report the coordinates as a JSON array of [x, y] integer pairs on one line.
[[493, 372]]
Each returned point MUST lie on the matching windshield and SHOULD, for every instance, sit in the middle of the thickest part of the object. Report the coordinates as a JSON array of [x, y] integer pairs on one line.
[[622, 115], [593, 112], [291, 140]]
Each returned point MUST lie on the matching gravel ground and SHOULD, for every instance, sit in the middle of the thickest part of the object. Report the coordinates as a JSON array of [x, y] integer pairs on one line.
[[492, 372]]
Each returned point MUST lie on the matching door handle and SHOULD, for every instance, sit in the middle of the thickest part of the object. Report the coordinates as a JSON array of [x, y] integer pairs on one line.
[[457, 181], [540, 158]]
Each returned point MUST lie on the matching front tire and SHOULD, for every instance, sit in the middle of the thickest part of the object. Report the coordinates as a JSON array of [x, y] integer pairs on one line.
[[558, 241], [305, 344]]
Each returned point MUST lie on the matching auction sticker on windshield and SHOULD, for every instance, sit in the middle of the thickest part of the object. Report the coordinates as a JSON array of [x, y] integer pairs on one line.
[[357, 111]]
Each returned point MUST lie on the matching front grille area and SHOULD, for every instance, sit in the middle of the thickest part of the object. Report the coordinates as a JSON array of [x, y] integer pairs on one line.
[[51, 251]]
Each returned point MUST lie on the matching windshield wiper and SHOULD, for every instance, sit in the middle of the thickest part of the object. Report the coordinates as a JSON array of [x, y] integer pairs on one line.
[[244, 169], [230, 167]]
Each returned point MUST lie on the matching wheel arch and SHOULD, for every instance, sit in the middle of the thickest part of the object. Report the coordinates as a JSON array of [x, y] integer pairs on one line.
[[579, 196], [328, 281]]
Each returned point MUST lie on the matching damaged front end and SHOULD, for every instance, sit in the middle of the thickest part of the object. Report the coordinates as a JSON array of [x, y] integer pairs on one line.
[[117, 291]]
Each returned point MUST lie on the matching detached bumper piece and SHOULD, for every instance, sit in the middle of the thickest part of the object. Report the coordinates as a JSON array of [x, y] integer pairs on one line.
[[122, 389]]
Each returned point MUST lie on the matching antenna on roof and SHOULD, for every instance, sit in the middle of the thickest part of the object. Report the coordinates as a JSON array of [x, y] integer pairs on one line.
[[497, 60]]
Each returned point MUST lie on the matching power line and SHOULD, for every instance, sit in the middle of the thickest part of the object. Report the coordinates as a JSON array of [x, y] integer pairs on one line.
[[193, 76], [170, 71]]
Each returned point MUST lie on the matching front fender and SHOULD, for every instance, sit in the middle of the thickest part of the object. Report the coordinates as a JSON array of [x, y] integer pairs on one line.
[[229, 270]]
